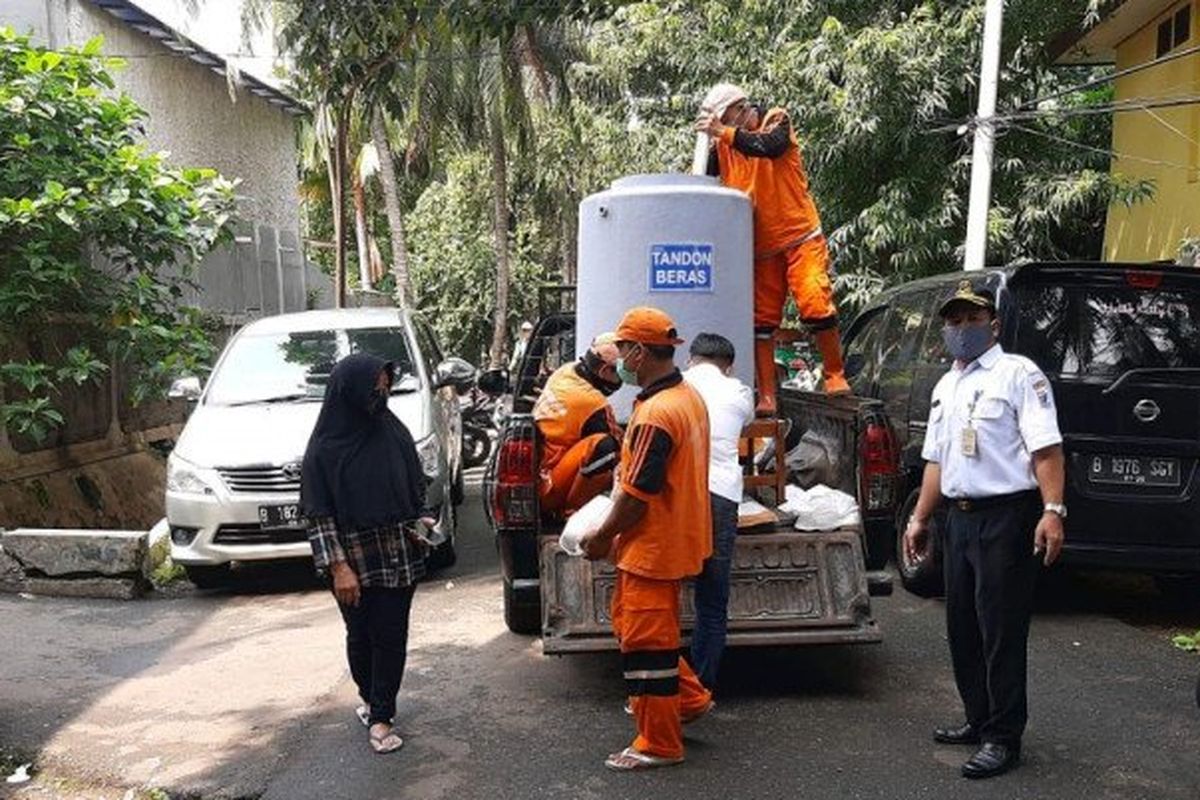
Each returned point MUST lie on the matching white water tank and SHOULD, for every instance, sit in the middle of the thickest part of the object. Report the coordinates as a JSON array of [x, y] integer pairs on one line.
[[682, 243]]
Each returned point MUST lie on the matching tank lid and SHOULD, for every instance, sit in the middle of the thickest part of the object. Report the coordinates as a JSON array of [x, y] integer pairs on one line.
[[665, 179]]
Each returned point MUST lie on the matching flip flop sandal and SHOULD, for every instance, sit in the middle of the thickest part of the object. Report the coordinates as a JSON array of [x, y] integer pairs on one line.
[[386, 743], [363, 713], [629, 760]]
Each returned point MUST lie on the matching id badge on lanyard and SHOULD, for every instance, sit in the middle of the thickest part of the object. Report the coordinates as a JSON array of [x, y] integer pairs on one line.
[[969, 440]]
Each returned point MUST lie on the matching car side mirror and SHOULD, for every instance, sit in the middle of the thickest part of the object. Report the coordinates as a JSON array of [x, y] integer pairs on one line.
[[187, 388], [454, 372], [493, 382]]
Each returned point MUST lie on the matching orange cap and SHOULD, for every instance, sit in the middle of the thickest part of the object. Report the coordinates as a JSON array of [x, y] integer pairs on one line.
[[647, 325]]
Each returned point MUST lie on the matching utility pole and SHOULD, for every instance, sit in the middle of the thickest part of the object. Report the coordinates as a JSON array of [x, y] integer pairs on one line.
[[985, 138]]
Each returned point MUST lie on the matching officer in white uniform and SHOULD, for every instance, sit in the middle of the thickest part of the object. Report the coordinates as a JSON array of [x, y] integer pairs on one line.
[[994, 452]]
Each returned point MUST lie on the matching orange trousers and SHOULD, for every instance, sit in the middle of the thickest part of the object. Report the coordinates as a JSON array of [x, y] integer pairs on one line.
[[564, 487], [804, 270], [661, 686]]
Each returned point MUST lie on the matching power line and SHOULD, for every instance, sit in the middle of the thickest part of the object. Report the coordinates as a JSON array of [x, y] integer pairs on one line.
[[1109, 77], [1100, 150], [1116, 107]]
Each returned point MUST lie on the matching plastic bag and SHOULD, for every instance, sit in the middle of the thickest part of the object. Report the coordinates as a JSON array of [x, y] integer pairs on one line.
[[821, 508], [583, 522]]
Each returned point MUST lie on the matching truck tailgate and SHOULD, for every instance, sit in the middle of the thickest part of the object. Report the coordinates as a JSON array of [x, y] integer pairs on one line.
[[787, 588]]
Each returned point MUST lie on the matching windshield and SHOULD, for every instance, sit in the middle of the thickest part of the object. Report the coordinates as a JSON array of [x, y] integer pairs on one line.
[[1103, 332], [294, 367]]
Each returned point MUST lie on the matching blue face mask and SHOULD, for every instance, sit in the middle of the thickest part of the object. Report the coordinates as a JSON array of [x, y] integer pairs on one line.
[[625, 374], [967, 342]]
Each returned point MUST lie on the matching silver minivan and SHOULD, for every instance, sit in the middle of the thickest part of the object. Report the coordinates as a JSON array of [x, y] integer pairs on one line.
[[233, 479]]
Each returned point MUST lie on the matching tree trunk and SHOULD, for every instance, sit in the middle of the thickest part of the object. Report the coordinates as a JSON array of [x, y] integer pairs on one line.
[[569, 241], [391, 201], [499, 237], [360, 233], [335, 201]]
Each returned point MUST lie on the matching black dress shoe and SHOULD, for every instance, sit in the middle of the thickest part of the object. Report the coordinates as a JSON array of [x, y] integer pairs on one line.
[[963, 734], [991, 760]]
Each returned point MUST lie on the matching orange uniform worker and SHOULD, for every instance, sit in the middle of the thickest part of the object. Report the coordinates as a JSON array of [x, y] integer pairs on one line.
[[756, 151], [662, 528], [580, 436]]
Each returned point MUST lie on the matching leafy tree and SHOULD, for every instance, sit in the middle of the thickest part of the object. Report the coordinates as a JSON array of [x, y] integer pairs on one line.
[[95, 234]]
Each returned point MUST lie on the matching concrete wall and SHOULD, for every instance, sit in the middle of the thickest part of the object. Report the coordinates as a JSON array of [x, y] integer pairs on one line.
[[1152, 231]]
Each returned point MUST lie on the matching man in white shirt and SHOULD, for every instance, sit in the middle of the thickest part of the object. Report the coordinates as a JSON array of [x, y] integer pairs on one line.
[[994, 452], [730, 405]]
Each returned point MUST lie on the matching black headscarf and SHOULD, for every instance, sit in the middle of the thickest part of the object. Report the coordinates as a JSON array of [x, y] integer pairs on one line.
[[361, 466]]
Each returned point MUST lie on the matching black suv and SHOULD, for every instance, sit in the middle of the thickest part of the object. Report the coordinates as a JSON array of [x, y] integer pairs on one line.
[[1120, 344]]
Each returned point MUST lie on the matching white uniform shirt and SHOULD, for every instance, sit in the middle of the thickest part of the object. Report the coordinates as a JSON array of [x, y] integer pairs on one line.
[[730, 405], [1007, 400]]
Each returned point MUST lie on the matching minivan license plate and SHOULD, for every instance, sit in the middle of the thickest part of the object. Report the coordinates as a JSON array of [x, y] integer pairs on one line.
[[1138, 471], [286, 516]]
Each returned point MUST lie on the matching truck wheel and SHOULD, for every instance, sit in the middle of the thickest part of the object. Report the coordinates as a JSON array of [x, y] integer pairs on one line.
[[880, 536], [521, 618], [924, 576], [208, 577]]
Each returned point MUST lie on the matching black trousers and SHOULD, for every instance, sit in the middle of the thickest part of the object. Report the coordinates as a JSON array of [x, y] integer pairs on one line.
[[377, 646], [990, 573]]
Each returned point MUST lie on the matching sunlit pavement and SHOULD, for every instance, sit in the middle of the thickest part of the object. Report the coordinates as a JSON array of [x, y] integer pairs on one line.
[[243, 693]]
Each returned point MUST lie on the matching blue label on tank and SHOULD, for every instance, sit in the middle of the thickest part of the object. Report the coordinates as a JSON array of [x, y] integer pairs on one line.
[[681, 267]]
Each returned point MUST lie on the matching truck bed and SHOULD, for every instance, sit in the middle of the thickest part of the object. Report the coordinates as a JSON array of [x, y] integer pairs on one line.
[[787, 588]]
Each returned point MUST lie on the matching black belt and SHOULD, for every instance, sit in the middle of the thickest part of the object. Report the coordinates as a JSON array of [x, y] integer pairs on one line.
[[969, 504]]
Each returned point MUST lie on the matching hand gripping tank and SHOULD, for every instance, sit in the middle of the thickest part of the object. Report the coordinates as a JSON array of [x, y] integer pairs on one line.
[[682, 243]]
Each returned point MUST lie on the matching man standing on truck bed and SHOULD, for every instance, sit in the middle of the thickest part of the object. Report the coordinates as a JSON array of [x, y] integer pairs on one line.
[[661, 513], [580, 436], [756, 151], [991, 444]]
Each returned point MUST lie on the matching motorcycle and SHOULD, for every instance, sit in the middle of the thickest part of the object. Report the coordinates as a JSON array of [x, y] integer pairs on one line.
[[477, 428]]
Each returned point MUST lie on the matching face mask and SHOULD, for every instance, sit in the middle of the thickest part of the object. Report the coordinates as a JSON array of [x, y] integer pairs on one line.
[[378, 401], [625, 374], [967, 342]]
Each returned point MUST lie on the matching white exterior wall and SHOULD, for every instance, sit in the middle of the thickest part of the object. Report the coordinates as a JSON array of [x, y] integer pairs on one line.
[[192, 117]]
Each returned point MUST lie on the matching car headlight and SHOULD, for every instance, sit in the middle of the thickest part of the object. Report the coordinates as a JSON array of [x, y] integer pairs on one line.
[[183, 478], [430, 452]]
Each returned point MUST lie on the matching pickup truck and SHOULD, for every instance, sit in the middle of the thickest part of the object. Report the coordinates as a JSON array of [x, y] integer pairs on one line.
[[788, 587]]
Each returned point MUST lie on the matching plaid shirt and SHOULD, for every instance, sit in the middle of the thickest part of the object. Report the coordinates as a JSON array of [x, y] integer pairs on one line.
[[381, 557]]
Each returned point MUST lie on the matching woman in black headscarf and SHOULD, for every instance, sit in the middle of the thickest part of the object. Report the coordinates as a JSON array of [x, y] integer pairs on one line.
[[363, 492]]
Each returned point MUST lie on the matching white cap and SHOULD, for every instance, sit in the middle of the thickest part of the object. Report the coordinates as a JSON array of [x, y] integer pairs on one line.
[[721, 97]]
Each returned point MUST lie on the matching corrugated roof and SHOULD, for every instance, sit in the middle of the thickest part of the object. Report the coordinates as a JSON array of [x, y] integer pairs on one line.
[[140, 20]]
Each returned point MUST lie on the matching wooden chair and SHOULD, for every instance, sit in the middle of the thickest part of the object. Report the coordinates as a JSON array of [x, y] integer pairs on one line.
[[766, 428]]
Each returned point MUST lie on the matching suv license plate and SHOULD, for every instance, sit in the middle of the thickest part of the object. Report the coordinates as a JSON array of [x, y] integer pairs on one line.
[[287, 516], [1134, 470]]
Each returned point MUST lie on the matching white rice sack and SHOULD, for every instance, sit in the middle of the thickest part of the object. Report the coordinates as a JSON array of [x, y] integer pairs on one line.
[[583, 522]]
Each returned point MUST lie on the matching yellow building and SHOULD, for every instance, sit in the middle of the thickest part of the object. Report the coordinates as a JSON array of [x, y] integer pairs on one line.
[[1158, 135]]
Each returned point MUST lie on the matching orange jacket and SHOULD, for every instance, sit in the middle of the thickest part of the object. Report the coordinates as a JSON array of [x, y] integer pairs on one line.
[[563, 411], [784, 211], [674, 536]]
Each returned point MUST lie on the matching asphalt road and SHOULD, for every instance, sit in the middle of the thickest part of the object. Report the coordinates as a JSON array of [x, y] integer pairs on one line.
[[244, 694]]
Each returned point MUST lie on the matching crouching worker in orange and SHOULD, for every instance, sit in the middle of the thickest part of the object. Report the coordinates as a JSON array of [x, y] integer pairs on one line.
[[662, 528], [755, 150], [580, 437]]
